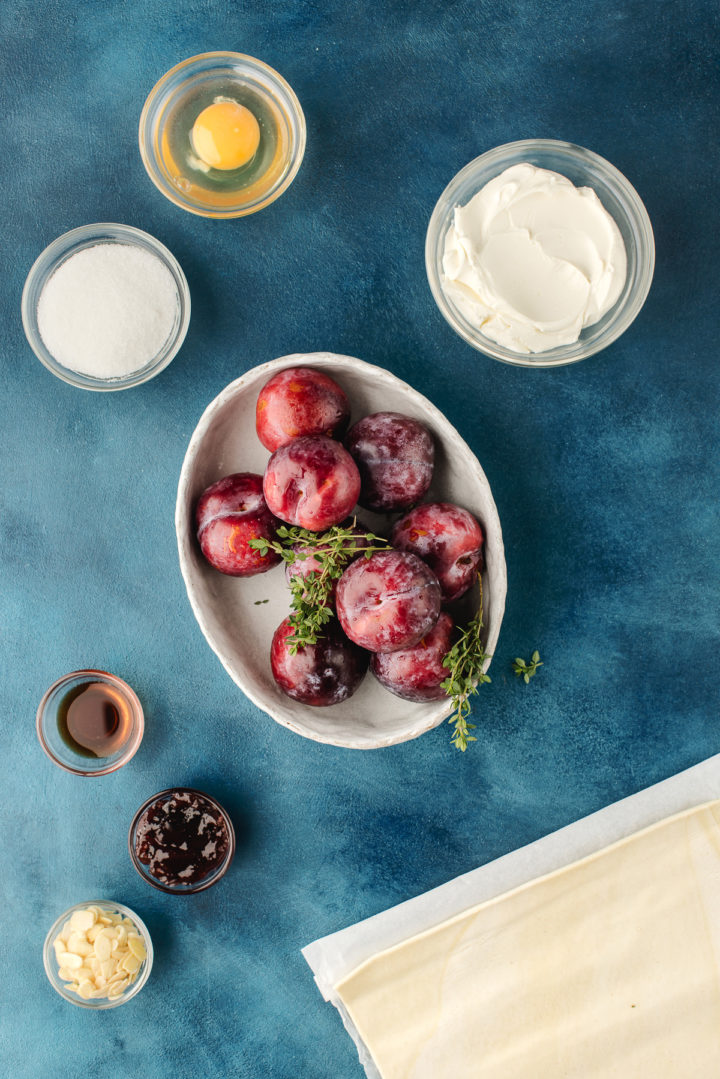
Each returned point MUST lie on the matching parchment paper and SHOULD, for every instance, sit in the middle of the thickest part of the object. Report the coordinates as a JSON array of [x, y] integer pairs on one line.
[[334, 957]]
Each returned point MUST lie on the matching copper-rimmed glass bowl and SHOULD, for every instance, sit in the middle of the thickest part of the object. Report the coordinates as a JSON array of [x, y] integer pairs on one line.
[[60, 752]]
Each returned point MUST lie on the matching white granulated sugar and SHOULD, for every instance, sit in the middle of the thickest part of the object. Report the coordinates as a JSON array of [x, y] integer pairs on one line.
[[108, 310]]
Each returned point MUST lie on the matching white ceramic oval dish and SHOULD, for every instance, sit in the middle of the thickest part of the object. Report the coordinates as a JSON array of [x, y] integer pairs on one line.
[[239, 626]]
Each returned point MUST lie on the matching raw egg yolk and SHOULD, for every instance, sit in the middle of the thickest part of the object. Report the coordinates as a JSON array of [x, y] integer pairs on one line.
[[226, 135]]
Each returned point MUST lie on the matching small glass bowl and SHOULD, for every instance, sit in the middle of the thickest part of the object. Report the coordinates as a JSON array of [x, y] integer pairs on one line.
[[60, 752], [198, 886], [199, 75], [585, 169], [99, 1003], [69, 244]]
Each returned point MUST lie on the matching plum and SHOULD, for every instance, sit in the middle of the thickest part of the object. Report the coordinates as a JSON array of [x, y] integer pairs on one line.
[[416, 674], [449, 539], [320, 674], [312, 482], [395, 455], [303, 567], [228, 515], [300, 401], [388, 601]]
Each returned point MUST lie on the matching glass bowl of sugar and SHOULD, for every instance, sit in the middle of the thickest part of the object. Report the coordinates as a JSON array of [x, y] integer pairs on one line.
[[106, 307]]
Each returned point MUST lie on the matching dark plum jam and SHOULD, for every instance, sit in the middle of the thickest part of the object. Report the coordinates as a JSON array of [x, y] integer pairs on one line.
[[182, 837]]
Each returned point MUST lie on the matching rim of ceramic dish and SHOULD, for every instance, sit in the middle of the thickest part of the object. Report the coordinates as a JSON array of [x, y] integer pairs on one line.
[[68, 244], [206, 882], [51, 967], [180, 77], [325, 360], [136, 708], [591, 170]]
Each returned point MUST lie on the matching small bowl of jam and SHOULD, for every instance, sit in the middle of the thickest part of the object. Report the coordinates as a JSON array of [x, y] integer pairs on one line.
[[90, 723], [181, 841]]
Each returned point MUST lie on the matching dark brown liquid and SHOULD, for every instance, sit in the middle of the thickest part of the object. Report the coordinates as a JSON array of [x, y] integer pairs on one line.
[[94, 719]]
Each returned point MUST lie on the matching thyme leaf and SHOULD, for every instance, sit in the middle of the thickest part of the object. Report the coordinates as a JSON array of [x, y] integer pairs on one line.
[[311, 596], [526, 671], [465, 662]]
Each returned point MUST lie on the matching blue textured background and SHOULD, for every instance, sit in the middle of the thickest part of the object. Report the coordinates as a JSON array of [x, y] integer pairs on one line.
[[606, 476]]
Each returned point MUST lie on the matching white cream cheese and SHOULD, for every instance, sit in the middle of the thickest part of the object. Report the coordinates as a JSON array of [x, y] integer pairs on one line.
[[531, 260]]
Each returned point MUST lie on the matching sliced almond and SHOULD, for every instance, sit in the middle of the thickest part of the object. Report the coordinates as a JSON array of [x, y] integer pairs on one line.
[[79, 945], [137, 947], [69, 960], [106, 968], [99, 953], [103, 947], [131, 964], [82, 920]]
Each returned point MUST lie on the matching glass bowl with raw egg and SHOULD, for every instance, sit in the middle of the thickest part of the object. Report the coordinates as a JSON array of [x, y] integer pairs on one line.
[[539, 253], [222, 135], [90, 722]]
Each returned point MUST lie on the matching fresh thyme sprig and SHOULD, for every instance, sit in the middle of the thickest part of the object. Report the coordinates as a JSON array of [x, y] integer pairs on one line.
[[333, 551], [465, 662], [527, 670]]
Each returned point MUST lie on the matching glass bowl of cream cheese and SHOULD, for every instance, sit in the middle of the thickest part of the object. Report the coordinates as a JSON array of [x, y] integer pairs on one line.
[[539, 253]]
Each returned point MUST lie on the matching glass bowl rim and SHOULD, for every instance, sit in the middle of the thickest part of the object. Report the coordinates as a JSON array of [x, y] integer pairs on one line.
[[626, 309], [62, 248], [134, 741], [155, 96], [102, 1003], [206, 882]]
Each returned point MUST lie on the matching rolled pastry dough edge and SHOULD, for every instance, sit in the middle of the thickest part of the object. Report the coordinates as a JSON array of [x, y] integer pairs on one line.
[[354, 1028]]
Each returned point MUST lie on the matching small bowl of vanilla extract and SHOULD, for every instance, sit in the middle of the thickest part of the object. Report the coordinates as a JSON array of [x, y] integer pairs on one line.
[[90, 722]]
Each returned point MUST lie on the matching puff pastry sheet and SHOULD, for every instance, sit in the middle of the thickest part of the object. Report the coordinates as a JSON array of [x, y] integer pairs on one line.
[[606, 969]]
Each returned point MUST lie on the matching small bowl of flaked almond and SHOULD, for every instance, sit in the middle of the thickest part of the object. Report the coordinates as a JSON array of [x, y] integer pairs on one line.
[[98, 954]]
